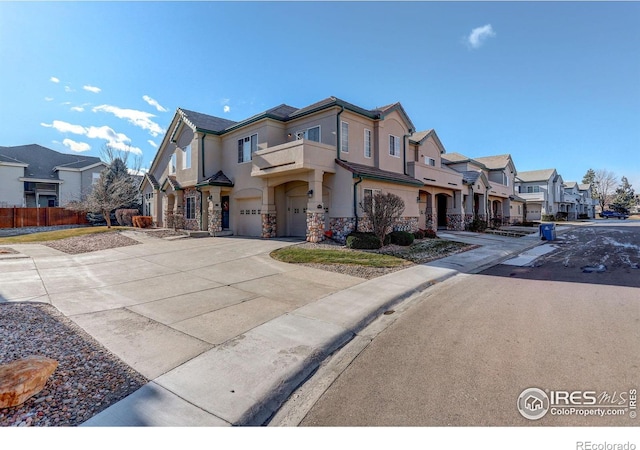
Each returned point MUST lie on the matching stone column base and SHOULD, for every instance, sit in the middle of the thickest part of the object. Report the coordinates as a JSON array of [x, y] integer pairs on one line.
[[268, 225], [315, 226]]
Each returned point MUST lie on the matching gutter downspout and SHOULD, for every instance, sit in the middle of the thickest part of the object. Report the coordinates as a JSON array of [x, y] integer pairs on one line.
[[202, 154], [339, 137], [355, 199]]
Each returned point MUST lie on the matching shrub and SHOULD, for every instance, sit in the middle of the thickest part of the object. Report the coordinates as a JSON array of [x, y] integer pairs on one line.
[[548, 217], [562, 215], [583, 216], [477, 225], [429, 233], [402, 238], [419, 234], [124, 216], [363, 241], [142, 221]]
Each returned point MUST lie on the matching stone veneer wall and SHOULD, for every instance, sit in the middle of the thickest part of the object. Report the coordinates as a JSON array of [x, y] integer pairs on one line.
[[315, 226], [341, 227], [192, 224], [454, 222], [215, 219], [468, 218], [269, 225], [409, 224]]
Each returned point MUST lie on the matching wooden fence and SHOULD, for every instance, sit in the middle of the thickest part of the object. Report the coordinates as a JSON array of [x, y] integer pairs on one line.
[[40, 217]]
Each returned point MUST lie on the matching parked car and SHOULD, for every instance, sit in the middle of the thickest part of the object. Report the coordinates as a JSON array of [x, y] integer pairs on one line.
[[613, 215]]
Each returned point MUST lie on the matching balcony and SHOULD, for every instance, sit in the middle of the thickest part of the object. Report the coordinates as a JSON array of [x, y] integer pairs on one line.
[[293, 157], [533, 196], [434, 176]]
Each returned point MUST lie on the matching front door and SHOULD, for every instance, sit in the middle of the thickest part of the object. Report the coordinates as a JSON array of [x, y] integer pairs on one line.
[[298, 215], [442, 210], [225, 212]]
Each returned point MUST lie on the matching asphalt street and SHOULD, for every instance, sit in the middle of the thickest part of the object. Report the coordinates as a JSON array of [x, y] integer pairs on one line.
[[464, 353]]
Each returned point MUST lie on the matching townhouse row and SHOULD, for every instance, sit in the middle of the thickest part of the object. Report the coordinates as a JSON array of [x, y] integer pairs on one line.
[[304, 172]]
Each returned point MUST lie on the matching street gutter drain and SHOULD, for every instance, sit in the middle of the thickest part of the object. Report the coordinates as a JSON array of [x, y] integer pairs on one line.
[[388, 312]]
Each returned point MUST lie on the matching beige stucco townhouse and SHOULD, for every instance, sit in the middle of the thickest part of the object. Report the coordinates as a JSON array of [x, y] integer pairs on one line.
[[299, 172], [488, 188]]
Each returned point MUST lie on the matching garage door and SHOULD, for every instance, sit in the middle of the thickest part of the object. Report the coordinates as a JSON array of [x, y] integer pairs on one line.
[[249, 219]]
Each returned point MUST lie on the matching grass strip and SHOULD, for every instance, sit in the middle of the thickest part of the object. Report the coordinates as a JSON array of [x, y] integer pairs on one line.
[[295, 255]]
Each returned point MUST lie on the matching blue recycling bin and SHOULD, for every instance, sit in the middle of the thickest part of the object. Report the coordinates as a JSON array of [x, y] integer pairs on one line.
[[548, 231]]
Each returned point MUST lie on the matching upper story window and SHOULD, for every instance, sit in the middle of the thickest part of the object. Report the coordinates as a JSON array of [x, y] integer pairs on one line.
[[172, 164], [429, 161], [367, 143], [95, 177], [533, 189], [344, 137], [312, 134], [247, 147], [394, 145], [186, 157]]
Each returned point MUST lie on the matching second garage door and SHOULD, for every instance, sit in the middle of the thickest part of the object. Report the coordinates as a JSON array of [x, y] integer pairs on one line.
[[249, 221]]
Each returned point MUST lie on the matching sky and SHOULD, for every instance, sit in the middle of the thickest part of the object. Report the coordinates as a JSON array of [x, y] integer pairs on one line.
[[554, 84]]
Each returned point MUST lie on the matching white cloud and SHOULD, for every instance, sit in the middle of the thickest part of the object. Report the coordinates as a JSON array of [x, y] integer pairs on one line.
[[138, 118], [93, 89], [77, 108], [76, 146], [54, 80], [116, 140], [154, 103], [65, 127], [68, 89], [479, 35], [153, 144], [48, 99], [226, 108]]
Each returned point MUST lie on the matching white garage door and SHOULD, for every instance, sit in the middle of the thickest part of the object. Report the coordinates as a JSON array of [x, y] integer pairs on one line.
[[248, 216]]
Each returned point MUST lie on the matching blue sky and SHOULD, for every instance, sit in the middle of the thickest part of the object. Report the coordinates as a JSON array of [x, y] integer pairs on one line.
[[555, 84]]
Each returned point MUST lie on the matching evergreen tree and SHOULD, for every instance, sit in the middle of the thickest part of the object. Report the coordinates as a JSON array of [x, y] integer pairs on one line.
[[625, 197]]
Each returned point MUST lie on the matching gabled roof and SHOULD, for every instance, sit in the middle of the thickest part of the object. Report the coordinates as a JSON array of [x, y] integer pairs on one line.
[[42, 161], [420, 136], [455, 157], [495, 162], [360, 170], [219, 179], [151, 179], [584, 187], [536, 175], [470, 176], [570, 184], [171, 181]]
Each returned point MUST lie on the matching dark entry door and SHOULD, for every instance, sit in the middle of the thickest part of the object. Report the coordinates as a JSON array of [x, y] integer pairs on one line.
[[442, 210], [225, 212]]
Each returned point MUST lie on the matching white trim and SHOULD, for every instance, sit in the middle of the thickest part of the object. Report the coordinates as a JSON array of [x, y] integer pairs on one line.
[[5, 163], [370, 143], [81, 169], [40, 180], [395, 139], [342, 149]]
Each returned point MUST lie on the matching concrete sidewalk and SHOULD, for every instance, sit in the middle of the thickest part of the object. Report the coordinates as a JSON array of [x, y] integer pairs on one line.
[[229, 346]]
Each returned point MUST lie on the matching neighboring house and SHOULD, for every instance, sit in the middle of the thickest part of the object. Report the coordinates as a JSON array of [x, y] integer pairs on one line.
[[579, 201], [33, 175], [543, 192], [589, 202], [489, 188], [299, 172]]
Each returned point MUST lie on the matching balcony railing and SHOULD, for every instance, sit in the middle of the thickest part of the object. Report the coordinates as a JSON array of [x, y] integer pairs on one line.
[[434, 176]]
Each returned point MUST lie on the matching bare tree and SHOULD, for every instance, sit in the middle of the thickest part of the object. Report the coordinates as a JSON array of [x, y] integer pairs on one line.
[[383, 211], [114, 189], [604, 185], [109, 154]]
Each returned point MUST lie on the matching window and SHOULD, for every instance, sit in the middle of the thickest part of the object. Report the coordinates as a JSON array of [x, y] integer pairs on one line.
[[394, 145], [429, 161], [191, 208], [369, 196], [186, 157], [344, 137], [247, 147], [367, 143], [313, 134], [172, 164], [95, 177]]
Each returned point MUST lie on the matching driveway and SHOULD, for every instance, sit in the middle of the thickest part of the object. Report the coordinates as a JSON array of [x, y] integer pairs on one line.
[[161, 303]]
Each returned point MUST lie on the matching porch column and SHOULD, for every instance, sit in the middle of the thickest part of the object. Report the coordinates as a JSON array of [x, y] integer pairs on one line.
[[455, 217], [214, 205], [315, 208], [268, 213]]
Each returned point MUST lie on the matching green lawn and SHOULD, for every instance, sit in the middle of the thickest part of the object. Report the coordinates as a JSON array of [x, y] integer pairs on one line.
[[326, 256], [55, 235]]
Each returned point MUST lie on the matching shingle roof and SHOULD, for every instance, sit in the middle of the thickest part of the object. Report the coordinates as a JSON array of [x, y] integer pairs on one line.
[[570, 184], [151, 179], [494, 162], [419, 136], [455, 158], [378, 174], [470, 176], [219, 179], [206, 122], [42, 160], [535, 175], [584, 187]]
